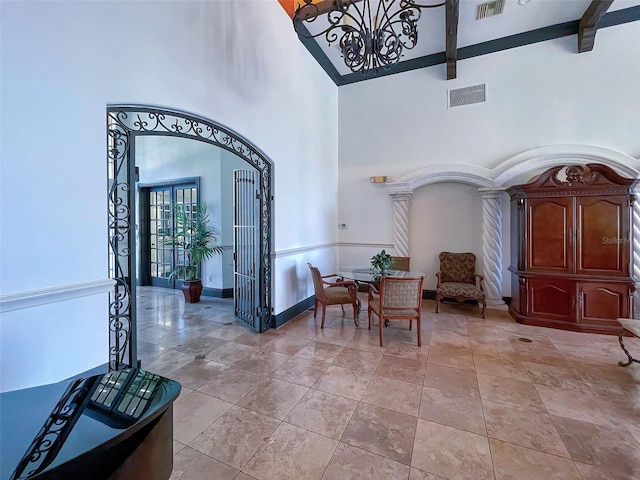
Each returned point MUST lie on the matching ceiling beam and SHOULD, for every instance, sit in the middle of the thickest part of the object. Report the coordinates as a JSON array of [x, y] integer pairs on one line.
[[589, 24], [452, 7]]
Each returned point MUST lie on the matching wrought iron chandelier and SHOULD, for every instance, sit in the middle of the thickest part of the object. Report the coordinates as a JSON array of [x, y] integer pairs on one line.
[[369, 38]]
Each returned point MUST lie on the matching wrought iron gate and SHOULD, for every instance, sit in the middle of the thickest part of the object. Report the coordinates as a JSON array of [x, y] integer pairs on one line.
[[245, 248], [124, 124]]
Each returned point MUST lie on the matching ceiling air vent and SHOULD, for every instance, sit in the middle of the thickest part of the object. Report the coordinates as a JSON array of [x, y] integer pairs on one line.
[[467, 95], [489, 9]]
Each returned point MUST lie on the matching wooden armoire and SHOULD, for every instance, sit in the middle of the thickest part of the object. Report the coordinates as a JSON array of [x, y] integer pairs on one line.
[[571, 249]]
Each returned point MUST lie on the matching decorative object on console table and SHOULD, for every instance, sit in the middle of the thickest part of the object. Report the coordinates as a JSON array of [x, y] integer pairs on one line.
[[381, 264], [571, 249], [195, 237]]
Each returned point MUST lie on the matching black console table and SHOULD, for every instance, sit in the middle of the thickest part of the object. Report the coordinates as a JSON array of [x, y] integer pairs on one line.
[[115, 426]]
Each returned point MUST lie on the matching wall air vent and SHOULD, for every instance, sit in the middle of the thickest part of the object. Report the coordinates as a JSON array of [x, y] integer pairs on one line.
[[468, 95], [489, 9]]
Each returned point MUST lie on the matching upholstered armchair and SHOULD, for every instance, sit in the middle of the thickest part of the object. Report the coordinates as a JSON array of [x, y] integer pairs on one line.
[[337, 292], [458, 279], [399, 298]]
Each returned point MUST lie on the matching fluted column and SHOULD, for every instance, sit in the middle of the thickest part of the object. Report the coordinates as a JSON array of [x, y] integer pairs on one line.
[[401, 222], [635, 251], [492, 246]]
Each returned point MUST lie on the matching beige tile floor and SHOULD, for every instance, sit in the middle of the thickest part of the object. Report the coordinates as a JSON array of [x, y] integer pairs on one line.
[[474, 402]]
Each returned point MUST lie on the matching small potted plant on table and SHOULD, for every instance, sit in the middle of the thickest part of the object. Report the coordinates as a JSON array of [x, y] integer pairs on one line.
[[196, 238], [380, 265]]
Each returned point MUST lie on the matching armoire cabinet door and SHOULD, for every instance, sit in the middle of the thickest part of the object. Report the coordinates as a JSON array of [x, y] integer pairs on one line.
[[599, 303], [550, 242], [550, 298], [602, 226]]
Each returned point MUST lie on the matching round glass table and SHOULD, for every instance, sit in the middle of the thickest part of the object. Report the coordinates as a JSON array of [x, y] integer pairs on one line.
[[365, 274]]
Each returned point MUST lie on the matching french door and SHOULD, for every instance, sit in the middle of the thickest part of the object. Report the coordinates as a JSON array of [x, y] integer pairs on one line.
[[158, 203]]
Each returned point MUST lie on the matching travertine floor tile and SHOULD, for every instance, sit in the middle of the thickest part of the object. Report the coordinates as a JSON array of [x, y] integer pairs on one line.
[[601, 446], [273, 397], [201, 345], [230, 353], [292, 453], [194, 413], [167, 362], [236, 436], [356, 359], [393, 394], [301, 371], [500, 366], [507, 390], [189, 464], [451, 379], [456, 410], [351, 463], [452, 356], [287, 344], [515, 462], [451, 453], [262, 361], [319, 351], [198, 372], [382, 431], [232, 384], [524, 426], [323, 413], [344, 382], [417, 474], [404, 369]]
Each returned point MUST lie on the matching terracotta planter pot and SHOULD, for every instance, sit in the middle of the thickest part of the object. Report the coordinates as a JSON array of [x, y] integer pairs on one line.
[[192, 290]]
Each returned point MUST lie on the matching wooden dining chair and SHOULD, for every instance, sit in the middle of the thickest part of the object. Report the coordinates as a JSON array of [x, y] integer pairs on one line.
[[337, 292], [399, 298], [400, 263]]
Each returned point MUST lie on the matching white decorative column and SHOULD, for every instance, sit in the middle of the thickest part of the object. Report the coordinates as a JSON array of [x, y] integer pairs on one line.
[[401, 221], [635, 251], [492, 246]]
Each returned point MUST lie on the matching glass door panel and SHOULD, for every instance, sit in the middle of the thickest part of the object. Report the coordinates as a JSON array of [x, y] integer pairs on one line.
[[159, 260]]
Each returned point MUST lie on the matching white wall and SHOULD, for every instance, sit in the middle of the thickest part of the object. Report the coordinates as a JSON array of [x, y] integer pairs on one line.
[[537, 95], [63, 62]]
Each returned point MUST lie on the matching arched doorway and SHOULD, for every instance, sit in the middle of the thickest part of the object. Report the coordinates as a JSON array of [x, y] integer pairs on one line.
[[124, 124]]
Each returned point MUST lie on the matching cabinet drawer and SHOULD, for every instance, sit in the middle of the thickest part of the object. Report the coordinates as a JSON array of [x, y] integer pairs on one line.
[[551, 299], [600, 303]]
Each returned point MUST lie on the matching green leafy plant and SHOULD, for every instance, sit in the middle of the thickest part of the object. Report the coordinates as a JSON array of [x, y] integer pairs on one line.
[[381, 263], [195, 237]]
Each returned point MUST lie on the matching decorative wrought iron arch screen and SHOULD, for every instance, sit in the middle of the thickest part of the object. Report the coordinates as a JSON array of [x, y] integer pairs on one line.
[[124, 124]]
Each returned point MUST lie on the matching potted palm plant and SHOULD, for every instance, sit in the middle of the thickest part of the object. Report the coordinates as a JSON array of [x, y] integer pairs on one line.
[[193, 235]]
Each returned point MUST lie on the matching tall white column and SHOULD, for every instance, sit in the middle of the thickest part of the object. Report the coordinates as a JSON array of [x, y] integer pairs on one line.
[[635, 251], [492, 246], [401, 222]]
